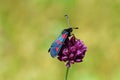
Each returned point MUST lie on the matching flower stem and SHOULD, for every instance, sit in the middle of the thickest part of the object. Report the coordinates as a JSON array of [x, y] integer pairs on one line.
[[67, 70]]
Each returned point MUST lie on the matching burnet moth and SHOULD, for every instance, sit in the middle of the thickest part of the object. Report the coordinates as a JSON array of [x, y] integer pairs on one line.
[[59, 42]]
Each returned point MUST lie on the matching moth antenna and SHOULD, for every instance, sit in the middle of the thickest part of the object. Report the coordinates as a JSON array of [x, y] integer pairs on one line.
[[67, 19], [75, 28]]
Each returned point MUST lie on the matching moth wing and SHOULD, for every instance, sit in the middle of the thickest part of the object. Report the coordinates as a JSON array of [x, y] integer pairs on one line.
[[57, 44]]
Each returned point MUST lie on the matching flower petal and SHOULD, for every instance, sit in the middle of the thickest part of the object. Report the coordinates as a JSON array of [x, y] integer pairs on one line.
[[78, 60], [65, 51], [68, 64], [64, 58], [71, 56], [72, 49]]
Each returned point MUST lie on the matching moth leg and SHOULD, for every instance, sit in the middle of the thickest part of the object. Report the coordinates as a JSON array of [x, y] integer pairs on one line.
[[72, 34], [49, 50]]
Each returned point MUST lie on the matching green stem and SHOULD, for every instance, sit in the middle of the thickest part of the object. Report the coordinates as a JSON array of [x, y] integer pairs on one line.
[[66, 76]]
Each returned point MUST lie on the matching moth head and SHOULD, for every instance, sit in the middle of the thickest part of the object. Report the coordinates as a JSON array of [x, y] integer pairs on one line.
[[70, 29]]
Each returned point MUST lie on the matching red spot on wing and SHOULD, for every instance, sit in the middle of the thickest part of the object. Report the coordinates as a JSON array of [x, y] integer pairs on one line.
[[64, 36], [56, 48], [59, 42]]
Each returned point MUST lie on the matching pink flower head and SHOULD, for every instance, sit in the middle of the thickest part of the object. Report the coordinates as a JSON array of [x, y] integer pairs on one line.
[[73, 51]]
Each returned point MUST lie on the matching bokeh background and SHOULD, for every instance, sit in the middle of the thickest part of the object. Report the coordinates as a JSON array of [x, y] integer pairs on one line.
[[28, 27]]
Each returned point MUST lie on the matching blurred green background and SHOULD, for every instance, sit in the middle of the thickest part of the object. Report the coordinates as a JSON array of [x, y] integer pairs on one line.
[[28, 27]]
